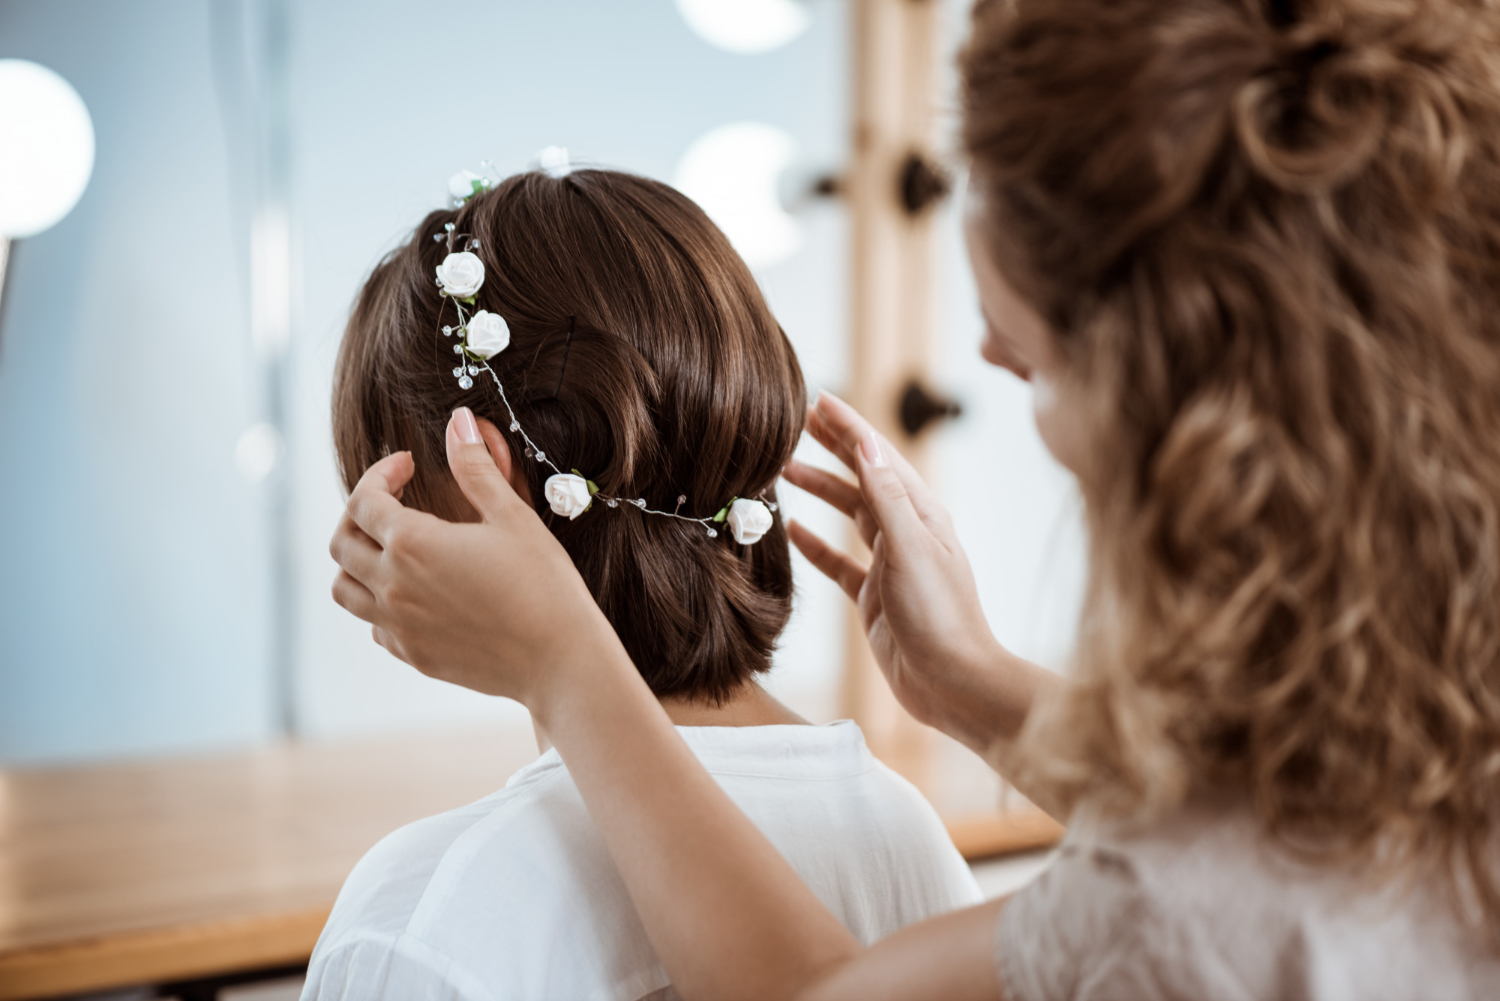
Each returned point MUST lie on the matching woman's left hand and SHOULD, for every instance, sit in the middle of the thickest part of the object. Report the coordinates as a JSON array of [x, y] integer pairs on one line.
[[917, 597], [480, 605]]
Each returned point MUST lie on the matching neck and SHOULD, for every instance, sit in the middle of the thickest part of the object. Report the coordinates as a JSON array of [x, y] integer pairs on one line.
[[752, 705]]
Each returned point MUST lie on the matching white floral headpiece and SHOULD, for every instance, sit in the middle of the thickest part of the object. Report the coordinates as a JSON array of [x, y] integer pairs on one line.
[[482, 335]]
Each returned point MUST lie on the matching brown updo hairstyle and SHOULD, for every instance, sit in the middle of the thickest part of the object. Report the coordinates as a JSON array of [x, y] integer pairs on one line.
[[1266, 237], [676, 380]]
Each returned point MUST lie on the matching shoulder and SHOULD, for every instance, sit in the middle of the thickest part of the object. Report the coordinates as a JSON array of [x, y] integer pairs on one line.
[[922, 851], [1207, 904], [416, 871], [821, 783], [1073, 923], [375, 967], [861, 836], [516, 892], [1171, 910], [905, 814]]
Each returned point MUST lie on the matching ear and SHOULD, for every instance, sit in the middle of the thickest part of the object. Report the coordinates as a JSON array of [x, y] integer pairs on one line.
[[495, 442]]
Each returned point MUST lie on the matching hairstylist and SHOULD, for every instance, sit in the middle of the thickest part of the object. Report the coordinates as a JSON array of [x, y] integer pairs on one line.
[[1245, 251]]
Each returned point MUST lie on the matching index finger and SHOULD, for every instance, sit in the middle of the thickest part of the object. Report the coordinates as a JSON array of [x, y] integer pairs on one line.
[[373, 505], [839, 428], [830, 438]]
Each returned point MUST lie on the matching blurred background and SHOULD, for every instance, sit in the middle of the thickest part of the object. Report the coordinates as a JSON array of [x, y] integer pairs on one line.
[[166, 348], [191, 191]]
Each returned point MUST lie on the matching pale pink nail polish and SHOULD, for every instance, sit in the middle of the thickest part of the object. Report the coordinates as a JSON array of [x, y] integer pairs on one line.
[[870, 446], [463, 423]]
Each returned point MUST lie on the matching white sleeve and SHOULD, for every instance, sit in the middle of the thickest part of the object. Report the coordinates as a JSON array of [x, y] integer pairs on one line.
[[384, 968]]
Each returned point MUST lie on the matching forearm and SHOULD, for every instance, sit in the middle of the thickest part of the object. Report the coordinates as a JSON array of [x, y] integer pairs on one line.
[[729, 918], [949, 957], [985, 704]]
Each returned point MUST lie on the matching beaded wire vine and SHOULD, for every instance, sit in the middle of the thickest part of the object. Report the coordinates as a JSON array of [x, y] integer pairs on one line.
[[473, 361]]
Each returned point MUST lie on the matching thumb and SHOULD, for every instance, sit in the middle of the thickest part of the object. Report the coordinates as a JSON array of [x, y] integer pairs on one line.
[[474, 468], [885, 494]]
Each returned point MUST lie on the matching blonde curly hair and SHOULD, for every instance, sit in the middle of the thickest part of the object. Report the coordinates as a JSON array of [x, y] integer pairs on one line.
[[1267, 238]]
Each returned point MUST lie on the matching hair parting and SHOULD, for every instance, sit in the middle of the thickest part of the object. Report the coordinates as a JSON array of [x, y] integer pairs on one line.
[[567, 347]]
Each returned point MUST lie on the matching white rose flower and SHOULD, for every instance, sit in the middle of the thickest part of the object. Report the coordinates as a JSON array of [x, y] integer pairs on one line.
[[554, 161], [461, 274], [568, 493], [461, 184], [749, 520], [489, 334]]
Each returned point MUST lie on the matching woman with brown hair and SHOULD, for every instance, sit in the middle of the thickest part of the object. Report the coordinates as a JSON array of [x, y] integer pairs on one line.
[[1246, 252], [624, 372]]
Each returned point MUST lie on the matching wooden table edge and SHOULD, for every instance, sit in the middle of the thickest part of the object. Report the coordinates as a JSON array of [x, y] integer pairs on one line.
[[231, 945], [156, 955], [987, 835]]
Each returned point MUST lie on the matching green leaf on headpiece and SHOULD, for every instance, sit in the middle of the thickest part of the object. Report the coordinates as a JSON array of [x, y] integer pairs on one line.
[[478, 184], [593, 487], [470, 300], [724, 511]]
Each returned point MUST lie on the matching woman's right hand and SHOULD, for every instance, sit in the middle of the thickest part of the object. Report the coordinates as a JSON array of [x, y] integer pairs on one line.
[[917, 598], [495, 605]]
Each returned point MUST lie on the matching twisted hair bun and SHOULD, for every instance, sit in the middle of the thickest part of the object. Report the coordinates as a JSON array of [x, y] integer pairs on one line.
[[1379, 87], [675, 381]]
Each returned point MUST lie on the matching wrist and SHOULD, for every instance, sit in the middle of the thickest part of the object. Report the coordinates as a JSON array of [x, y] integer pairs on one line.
[[992, 695], [592, 661]]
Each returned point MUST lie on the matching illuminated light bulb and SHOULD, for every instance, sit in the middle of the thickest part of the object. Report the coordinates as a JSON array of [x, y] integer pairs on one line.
[[745, 26], [46, 148], [732, 173], [258, 452]]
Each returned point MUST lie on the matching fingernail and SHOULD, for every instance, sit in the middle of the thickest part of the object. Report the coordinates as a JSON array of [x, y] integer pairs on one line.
[[870, 446], [463, 423]]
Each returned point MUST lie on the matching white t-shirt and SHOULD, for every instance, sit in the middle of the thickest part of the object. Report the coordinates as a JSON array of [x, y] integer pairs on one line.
[[515, 896], [1205, 905]]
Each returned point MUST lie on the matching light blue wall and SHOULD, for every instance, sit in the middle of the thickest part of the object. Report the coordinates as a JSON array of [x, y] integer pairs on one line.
[[131, 608]]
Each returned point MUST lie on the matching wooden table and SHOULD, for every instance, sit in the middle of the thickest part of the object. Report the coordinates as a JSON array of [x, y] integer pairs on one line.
[[124, 874]]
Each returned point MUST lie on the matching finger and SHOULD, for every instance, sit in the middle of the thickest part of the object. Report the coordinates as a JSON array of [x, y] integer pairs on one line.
[[835, 491], [839, 493], [354, 597], [842, 425], [355, 552], [866, 525], [886, 496], [843, 570], [374, 505], [475, 470], [827, 436], [384, 638]]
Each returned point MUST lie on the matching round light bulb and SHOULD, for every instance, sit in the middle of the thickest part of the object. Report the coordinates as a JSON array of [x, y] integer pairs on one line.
[[746, 26], [732, 172], [258, 452], [46, 148]]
